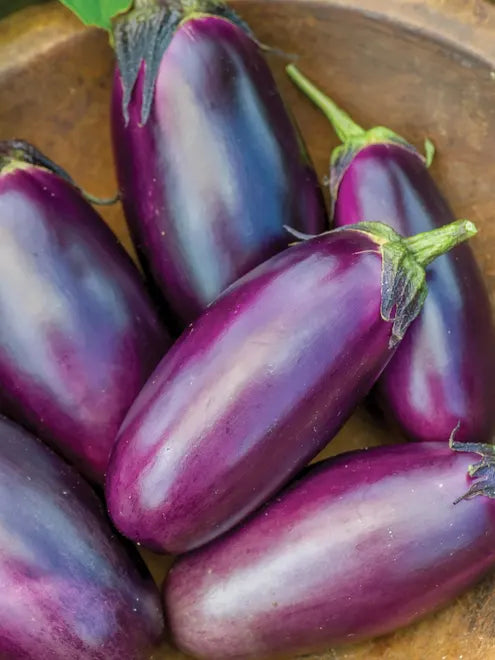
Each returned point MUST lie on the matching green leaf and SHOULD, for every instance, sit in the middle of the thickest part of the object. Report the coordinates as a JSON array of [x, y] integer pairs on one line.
[[97, 12]]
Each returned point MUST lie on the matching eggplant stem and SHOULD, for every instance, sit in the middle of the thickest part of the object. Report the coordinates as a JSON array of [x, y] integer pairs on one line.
[[429, 245], [100, 201], [345, 127]]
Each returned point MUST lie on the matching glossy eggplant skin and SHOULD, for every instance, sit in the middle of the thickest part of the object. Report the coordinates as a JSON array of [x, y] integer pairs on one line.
[[218, 169], [444, 370], [78, 333], [69, 587], [251, 392], [360, 545]]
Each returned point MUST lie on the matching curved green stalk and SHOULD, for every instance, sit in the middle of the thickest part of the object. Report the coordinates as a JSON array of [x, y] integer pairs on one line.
[[345, 127], [429, 245]]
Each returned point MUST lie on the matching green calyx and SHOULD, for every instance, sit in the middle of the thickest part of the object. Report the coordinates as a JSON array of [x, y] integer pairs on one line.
[[141, 30], [482, 473], [353, 137], [403, 281], [142, 35], [18, 154]]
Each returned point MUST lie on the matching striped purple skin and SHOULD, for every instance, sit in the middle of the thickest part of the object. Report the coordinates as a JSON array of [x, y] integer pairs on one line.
[[444, 370], [210, 180], [251, 392], [69, 587], [78, 334], [360, 545]]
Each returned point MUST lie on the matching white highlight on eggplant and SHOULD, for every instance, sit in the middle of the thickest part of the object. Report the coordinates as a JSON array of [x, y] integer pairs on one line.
[[321, 554], [204, 144], [254, 347], [54, 293], [194, 148], [28, 303]]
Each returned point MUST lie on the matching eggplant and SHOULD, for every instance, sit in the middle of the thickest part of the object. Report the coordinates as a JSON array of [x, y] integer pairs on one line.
[[209, 163], [78, 333], [69, 586], [264, 378], [444, 370], [359, 546]]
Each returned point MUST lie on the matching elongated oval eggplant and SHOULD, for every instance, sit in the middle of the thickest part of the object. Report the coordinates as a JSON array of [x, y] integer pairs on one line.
[[444, 371], [210, 166], [69, 587], [263, 380], [359, 546], [78, 334]]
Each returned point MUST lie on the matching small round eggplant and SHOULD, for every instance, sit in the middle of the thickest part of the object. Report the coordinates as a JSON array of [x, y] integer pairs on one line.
[[444, 370], [210, 166], [360, 545], [259, 384], [69, 587], [78, 334]]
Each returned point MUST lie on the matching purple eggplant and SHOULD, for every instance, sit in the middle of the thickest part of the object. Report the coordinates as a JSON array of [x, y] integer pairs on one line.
[[210, 166], [259, 384], [78, 334], [360, 545], [444, 370], [69, 587]]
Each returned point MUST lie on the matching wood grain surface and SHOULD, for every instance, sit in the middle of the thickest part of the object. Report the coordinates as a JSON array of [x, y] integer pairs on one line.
[[422, 68]]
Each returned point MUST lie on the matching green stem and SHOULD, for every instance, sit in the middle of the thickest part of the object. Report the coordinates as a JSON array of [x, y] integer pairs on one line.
[[100, 201], [345, 127], [429, 245]]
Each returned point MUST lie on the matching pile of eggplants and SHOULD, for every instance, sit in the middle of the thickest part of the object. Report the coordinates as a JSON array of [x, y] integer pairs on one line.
[[288, 330], [263, 380]]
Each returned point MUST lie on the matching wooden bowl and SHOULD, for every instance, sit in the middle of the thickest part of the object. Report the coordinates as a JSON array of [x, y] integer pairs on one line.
[[422, 68]]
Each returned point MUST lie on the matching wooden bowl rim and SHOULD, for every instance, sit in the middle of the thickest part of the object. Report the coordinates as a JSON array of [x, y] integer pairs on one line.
[[466, 27]]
